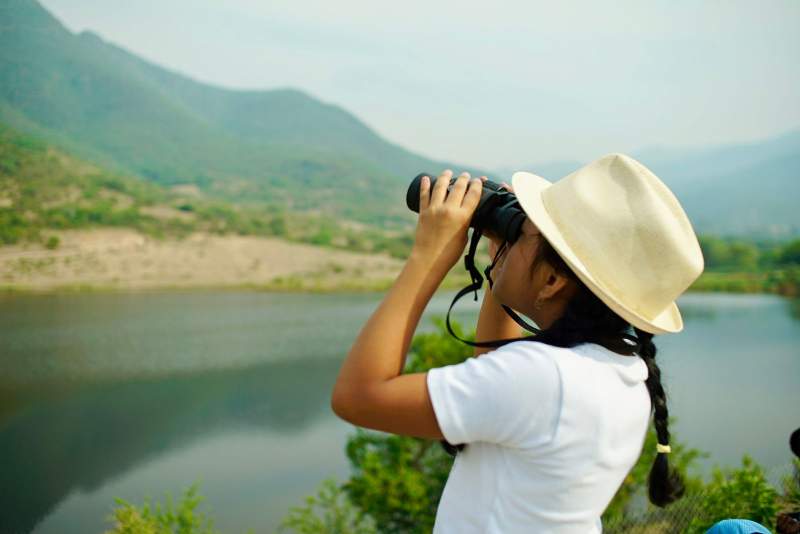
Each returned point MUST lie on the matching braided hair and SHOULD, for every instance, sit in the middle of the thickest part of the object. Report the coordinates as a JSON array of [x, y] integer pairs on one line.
[[587, 319]]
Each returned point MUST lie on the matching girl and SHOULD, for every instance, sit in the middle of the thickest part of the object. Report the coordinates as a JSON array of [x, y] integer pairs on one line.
[[546, 427]]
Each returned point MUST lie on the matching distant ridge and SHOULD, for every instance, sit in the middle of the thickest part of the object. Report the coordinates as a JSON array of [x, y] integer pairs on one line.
[[281, 146], [745, 189]]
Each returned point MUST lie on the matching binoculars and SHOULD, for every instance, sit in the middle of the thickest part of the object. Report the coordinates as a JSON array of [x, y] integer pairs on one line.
[[498, 213]]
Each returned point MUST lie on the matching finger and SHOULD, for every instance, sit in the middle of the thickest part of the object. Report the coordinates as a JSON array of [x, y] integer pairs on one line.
[[440, 187], [508, 187], [473, 196], [457, 192], [424, 192]]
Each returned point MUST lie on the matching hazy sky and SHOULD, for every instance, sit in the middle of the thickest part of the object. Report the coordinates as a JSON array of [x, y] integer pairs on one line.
[[494, 84]]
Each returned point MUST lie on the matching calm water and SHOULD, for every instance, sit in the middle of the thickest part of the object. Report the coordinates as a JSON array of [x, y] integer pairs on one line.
[[105, 396]]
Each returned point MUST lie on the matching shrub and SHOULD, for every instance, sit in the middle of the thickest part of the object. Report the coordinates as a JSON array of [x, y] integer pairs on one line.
[[737, 493], [167, 519], [790, 500], [329, 512]]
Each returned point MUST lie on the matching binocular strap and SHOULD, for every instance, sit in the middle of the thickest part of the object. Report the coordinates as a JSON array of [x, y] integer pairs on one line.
[[477, 283]]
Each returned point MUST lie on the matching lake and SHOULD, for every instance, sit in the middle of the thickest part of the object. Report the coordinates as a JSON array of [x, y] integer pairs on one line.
[[136, 395]]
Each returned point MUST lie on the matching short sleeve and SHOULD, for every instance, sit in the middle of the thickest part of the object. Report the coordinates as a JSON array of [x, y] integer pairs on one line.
[[509, 396]]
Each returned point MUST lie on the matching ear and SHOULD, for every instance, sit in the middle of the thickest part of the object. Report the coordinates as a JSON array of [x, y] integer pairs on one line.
[[556, 285]]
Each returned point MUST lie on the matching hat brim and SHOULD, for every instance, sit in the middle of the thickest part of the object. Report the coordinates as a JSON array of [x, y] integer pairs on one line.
[[528, 189]]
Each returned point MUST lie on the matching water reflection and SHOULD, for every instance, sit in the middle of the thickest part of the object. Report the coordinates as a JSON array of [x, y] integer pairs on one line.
[[84, 439]]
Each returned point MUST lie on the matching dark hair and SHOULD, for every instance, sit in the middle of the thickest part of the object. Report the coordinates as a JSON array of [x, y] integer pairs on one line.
[[587, 319]]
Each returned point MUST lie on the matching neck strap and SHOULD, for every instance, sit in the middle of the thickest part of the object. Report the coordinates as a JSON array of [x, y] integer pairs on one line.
[[477, 283]]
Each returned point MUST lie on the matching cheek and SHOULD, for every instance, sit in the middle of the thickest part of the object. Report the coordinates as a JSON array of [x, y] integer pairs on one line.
[[513, 280], [519, 268]]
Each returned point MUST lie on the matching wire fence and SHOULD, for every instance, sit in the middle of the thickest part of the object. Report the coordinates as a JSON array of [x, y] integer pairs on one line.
[[696, 511]]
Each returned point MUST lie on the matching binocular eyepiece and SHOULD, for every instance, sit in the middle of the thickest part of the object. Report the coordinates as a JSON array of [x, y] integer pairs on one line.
[[498, 212]]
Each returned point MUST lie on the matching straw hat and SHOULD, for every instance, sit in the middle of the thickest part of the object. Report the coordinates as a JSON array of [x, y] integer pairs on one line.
[[622, 232]]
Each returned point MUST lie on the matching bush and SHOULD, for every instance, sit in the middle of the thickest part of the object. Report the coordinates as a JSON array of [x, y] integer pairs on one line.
[[330, 512], [738, 493], [52, 242], [790, 500], [278, 225], [167, 519]]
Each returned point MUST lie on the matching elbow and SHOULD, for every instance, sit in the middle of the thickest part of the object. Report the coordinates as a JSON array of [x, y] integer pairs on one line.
[[350, 405], [340, 401]]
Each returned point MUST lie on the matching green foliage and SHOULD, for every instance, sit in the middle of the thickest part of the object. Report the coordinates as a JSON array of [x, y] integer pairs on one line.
[[789, 254], [790, 500], [278, 226], [738, 266], [14, 227], [743, 492], [180, 518], [738, 255], [329, 512], [323, 235], [52, 242], [398, 480]]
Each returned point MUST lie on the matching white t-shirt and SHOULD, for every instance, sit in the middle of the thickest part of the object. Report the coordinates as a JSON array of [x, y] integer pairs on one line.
[[551, 433]]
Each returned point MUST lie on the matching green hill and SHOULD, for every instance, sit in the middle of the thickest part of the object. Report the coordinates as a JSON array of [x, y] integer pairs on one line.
[[281, 147], [43, 188]]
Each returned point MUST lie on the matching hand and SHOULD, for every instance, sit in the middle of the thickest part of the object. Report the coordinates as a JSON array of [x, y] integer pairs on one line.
[[444, 217]]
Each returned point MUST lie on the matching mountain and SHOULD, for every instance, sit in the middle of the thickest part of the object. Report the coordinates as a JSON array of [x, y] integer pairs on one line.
[[282, 147], [288, 150], [744, 189]]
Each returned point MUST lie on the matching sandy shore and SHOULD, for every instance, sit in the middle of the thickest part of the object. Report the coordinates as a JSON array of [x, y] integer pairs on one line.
[[123, 259]]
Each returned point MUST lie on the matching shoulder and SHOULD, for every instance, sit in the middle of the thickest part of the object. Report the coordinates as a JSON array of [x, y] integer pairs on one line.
[[525, 351], [501, 396], [520, 366], [527, 355]]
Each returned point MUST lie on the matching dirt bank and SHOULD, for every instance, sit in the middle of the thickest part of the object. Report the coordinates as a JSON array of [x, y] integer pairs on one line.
[[123, 259]]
